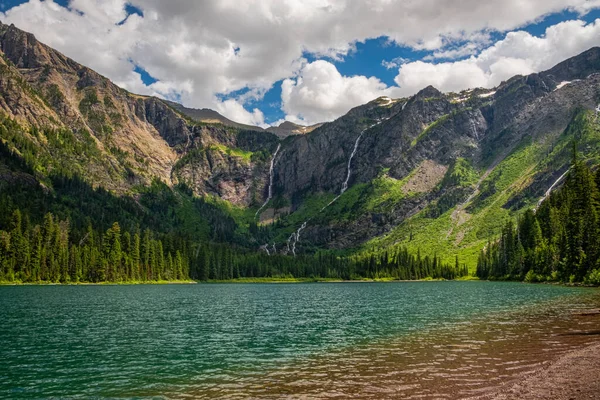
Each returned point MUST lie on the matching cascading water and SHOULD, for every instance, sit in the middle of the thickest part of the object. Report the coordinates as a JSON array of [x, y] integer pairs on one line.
[[549, 191], [295, 237], [266, 249], [349, 169], [349, 172], [270, 192]]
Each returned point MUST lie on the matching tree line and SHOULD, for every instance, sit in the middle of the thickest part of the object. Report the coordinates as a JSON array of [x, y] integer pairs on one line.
[[558, 242], [46, 253], [225, 262]]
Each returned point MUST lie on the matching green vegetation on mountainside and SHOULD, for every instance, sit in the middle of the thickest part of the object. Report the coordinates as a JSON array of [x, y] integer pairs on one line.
[[558, 242], [466, 232]]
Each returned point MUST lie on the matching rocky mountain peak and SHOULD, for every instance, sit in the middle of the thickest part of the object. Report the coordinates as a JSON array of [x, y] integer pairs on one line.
[[578, 67], [289, 125], [429, 92], [19, 46]]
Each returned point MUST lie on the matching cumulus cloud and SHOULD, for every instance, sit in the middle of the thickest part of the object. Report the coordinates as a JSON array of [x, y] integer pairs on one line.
[[320, 93], [518, 53], [236, 112], [200, 51]]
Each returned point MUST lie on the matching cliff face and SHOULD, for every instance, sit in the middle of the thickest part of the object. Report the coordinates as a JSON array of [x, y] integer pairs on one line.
[[440, 127]]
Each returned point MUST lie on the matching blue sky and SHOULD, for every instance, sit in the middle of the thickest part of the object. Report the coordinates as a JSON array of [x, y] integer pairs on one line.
[[151, 48]]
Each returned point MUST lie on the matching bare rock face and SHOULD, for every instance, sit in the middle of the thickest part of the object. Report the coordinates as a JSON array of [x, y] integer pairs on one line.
[[21, 47], [214, 172], [288, 128]]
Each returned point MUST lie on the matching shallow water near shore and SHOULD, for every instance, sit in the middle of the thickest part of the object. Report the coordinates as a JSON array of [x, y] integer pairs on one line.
[[326, 340]]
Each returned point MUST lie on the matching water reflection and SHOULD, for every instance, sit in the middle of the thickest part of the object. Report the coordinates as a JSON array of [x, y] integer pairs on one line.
[[458, 360]]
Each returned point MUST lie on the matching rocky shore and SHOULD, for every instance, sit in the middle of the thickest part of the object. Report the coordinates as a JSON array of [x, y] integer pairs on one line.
[[574, 376]]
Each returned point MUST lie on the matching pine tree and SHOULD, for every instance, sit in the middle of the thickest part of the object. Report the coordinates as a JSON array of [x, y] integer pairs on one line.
[[135, 256]]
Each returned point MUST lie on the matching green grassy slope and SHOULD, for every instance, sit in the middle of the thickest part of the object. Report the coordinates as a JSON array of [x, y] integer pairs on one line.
[[465, 232]]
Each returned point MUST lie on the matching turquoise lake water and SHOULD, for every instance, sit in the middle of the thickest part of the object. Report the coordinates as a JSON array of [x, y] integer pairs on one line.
[[242, 340]]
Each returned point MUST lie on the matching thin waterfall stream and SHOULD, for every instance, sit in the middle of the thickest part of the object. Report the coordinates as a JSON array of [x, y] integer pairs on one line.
[[270, 192], [551, 188]]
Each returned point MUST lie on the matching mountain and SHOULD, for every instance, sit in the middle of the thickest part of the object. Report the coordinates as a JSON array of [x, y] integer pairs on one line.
[[436, 172], [209, 116], [288, 128], [125, 139]]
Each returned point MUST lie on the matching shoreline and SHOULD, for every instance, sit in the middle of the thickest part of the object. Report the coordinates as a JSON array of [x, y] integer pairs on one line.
[[229, 281], [575, 375], [285, 280], [133, 283]]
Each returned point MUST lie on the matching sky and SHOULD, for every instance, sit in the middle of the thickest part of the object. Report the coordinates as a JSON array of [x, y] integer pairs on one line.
[[262, 62]]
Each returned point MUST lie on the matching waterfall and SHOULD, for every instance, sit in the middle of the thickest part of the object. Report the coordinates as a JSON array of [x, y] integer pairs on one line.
[[295, 237], [349, 168], [550, 189], [270, 193], [404, 105], [349, 173], [266, 248]]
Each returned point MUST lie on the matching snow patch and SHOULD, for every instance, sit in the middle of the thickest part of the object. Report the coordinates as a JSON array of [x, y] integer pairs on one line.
[[565, 83], [562, 84], [386, 101], [488, 94]]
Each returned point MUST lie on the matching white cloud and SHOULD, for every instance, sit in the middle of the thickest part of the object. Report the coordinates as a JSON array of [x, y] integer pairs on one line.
[[394, 63], [465, 50], [235, 111], [320, 93], [200, 49], [519, 53]]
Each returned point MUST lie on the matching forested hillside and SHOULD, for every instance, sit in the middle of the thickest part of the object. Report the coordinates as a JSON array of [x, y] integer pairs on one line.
[[560, 241]]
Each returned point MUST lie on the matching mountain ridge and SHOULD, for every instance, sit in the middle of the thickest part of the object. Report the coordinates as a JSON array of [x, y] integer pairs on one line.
[[383, 174]]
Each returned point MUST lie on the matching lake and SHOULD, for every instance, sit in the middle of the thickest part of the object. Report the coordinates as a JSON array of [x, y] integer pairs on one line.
[[334, 340]]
